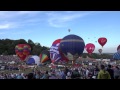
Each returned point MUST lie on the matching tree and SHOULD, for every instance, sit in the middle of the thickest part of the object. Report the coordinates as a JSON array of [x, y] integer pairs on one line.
[[5, 53], [30, 41]]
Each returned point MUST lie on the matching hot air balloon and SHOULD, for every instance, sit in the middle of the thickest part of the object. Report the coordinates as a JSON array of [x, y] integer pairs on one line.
[[54, 51], [116, 56], [100, 51], [33, 60], [72, 46], [22, 51], [45, 56], [68, 30], [102, 41], [118, 49], [90, 48]]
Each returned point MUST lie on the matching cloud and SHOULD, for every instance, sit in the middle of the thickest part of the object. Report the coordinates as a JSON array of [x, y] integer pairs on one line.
[[16, 19], [29, 13], [61, 19], [5, 26]]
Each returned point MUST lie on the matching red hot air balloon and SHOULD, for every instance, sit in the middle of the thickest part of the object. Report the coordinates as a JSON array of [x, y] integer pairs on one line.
[[102, 41], [22, 51], [90, 48]]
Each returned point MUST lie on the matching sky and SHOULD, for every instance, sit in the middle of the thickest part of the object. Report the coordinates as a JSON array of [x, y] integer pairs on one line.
[[46, 26]]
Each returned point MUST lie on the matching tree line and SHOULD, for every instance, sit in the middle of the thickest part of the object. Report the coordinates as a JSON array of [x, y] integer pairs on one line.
[[7, 46], [97, 56]]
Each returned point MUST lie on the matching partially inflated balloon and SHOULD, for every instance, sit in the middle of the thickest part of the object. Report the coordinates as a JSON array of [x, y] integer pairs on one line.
[[54, 51], [22, 51], [102, 41], [44, 56], [72, 46], [33, 60], [90, 48]]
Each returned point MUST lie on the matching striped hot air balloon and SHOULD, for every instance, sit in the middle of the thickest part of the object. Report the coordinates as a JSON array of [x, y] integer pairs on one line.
[[45, 56], [72, 46]]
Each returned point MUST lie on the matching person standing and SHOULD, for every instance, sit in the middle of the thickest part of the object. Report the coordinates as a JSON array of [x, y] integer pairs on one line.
[[116, 72], [96, 71], [111, 71], [103, 74]]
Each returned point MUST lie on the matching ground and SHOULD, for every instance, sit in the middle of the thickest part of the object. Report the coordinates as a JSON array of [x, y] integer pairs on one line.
[[22, 71]]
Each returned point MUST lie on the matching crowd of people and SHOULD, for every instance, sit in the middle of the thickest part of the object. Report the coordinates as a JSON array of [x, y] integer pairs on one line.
[[92, 72], [9, 58]]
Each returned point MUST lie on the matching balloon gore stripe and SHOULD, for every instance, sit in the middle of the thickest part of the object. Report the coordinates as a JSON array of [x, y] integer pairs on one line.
[[72, 40]]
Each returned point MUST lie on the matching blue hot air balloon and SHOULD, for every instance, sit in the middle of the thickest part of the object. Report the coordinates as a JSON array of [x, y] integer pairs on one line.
[[72, 46], [116, 56]]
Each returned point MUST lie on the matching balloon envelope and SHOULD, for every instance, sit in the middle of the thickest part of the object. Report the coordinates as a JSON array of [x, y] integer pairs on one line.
[[102, 41], [118, 49], [100, 51], [116, 56], [54, 51], [33, 60], [22, 50], [90, 48], [44, 56], [72, 46]]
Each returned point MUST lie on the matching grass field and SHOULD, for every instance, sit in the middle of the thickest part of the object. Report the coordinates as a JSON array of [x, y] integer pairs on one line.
[[26, 71]]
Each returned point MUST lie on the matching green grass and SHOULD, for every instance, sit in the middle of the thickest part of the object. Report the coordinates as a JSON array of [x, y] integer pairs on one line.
[[29, 70]]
